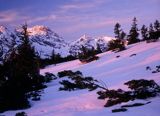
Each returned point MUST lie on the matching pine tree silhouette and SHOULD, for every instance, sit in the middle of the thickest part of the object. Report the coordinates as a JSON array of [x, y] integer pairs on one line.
[[133, 33]]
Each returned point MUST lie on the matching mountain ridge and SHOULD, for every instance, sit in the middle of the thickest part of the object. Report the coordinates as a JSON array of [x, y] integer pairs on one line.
[[46, 41]]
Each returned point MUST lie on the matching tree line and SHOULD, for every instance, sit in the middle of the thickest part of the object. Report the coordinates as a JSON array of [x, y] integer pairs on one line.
[[148, 33]]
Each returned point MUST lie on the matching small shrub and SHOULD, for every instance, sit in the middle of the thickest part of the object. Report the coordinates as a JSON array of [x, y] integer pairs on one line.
[[36, 96], [49, 77], [116, 45], [78, 81], [21, 114], [118, 56], [148, 68], [67, 86], [119, 110], [87, 55], [157, 69], [135, 105], [140, 89], [133, 55], [115, 96], [68, 73], [143, 88]]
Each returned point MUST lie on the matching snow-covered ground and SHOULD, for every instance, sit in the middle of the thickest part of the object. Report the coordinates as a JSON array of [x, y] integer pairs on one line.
[[111, 70]]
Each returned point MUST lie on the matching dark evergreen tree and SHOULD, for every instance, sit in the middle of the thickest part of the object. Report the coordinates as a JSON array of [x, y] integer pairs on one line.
[[156, 34], [27, 59], [19, 75], [119, 33], [58, 58], [119, 43], [116, 45], [151, 31], [122, 35], [157, 25], [117, 30], [144, 33], [133, 33], [151, 28], [98, 50], [87, 55]]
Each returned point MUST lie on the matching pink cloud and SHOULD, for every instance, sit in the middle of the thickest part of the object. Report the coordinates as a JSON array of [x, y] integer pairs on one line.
[[7, 16], [10, 17], [81, 5], [51, 17], [93, 24], [15, 17]]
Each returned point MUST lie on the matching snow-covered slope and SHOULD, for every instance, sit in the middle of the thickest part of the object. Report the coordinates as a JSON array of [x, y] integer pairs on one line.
[[111, 70], [89, 42]]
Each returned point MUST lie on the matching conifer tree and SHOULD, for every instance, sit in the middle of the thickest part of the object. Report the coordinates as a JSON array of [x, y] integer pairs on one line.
[[87, 55], [98, 50], [133, 33], [119, 43], [151, 30], [122, 35], [117, 30], [119, 33], [157, 25], [144, 33]]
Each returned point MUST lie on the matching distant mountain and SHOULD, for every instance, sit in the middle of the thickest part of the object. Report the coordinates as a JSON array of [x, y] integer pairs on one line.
[[45, 41], [89, 42]]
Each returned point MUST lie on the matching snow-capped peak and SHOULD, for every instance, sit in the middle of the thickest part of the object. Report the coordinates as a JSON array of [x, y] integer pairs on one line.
[[38, 30], [2, 29], [89, 42], [105, 38], [84, 37]]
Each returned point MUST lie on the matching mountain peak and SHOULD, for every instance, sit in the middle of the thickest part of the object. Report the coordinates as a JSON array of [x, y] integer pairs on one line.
[[84, 37], [38, 30], [105, 38], [3, 29]]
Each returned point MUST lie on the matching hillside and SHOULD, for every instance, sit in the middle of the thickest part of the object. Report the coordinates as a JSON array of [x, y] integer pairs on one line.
[[111, 70]]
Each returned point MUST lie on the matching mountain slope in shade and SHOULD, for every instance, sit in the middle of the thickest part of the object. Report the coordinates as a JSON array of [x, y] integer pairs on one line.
[[109, 69], [8, 40]]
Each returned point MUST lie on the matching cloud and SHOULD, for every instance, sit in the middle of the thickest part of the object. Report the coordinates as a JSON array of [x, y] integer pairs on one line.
[[13, 18], [7, 16], [81, 5], [50, 17], [75, 6], [91, 25]]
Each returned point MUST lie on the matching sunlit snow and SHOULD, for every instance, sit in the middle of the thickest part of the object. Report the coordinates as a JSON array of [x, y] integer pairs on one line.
[[109, 69]]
